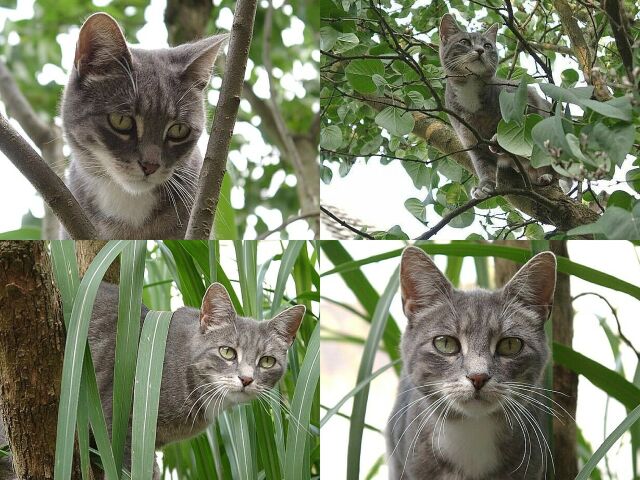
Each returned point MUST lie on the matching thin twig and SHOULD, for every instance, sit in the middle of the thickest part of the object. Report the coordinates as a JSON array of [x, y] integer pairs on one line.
[[345, 224], [46, 182], [215, 159], [287, 222]]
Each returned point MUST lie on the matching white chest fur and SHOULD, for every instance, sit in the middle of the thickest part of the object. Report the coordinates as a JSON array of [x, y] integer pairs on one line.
[[116, 202], [469, 94], [471, 445]]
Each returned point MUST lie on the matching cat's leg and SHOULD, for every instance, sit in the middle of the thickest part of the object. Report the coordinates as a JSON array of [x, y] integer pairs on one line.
[[485, 166]]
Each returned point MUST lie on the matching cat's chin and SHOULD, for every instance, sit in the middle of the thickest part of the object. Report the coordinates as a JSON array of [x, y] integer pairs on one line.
[[241, 396], [477, 407]]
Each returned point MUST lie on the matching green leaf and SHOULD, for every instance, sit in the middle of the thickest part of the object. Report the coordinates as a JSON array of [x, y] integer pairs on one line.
[[569, 77], [616, 141], [614, 384], [24, 233], [513, 104], [621, 199], [396, 121], [331, 137], [615, 224], [633, 178], [419, 172], [517, 138], [147, 392], [360, 74], [328, 37], [306, 386], [626, 424], [345, 42], [416, 208], [326, 174], [394, 233], [360, 400], [534, 231]]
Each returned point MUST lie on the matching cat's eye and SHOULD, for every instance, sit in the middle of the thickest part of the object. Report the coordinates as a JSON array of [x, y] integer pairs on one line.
[[178, 131], [267, 362], [488, 46], [227, 353], [121, 123], [446, 344], [466, 42], [509, 346]]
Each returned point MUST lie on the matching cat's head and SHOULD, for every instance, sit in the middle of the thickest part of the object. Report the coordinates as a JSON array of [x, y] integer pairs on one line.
[[464, 53], [240, 357], [134, 116], [475, 348]]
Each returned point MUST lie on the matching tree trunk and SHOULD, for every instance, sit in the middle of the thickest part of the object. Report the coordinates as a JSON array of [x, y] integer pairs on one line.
[[564, 380], [86, 250], [31, 357]]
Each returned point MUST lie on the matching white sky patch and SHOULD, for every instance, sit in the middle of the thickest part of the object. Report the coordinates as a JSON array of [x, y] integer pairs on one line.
[[293, 35]]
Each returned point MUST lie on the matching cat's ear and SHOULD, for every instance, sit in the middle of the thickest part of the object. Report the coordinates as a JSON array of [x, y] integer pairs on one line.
[[101, 47], [286, 323], [534, 284], [217, 309], [422, 284], [200, 57], [448, 27], [492, 32]]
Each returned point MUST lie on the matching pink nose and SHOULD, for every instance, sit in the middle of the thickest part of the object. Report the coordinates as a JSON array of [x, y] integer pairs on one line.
[[245, 380], [478, 380], [148, 168]]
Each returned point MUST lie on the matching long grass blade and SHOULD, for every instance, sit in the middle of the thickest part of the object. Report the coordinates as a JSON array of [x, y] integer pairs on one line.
[[147, 392], [287, 262]]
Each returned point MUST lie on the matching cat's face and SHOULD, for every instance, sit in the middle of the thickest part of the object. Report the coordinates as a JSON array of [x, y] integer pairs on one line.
[[475, 349], [242, 358], [465, 53], [135, 116]]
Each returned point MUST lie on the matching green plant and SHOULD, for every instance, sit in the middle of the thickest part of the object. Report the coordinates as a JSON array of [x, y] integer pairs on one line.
[[273, 439]]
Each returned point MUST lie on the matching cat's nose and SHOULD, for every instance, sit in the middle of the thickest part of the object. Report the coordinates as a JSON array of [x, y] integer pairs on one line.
[[480, 50], [149, 167], [245, 380], [478, 380]]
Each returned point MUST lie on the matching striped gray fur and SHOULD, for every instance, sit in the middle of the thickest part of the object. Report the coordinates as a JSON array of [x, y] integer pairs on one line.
[[442, 427]]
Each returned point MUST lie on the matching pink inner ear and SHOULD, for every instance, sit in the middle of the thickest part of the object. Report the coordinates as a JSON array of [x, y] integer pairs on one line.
[[100, 44]]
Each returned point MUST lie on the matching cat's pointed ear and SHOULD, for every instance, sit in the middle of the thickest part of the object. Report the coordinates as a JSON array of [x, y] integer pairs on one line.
[[217, 308], [534, 285], [200, 57], [492, 32], [286, 323], [422, 284], [448, 27], [101, 47]]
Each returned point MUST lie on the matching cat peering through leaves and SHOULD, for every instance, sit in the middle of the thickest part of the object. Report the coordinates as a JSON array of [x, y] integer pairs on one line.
[[132, 119], [470, 60], [214, 360], [471, 403]]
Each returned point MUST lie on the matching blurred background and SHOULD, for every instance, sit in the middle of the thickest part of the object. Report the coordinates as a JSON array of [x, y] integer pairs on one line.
[[349, 295], [263, 189]]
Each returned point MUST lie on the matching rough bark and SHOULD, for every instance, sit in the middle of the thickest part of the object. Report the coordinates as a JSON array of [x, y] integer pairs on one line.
[[504, 268], [565, 214], [187, 20], [31, 356], [86, 250], [619, 22], [564, 380]]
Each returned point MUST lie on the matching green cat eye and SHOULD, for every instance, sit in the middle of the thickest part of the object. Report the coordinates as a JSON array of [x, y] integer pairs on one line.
[[121, 123], [446, 344], [178, 131], [227, 353], [267, 362], [509, 346]]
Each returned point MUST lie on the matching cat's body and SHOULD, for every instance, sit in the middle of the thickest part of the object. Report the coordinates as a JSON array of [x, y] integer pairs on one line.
[[6, 471], [464, 414], [132, 118], [192, 360], [470, 60]]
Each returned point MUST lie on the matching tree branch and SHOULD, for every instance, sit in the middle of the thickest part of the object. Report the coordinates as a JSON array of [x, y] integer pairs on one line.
[[620, 27], [215, 159], [47, 137], [286, 223], [44, 179], [328, 213]]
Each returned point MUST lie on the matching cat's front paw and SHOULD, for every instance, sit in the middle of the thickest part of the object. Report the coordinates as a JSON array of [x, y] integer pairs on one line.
[[544, 179], [483, 190]]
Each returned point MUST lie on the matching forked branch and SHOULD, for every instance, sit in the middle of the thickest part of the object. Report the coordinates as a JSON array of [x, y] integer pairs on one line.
[[215, 159]]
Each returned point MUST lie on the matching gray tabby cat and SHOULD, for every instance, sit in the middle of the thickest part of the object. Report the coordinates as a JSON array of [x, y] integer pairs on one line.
[[470, 402], [132, 119], [214, 360], [470, 61], [6, 472]]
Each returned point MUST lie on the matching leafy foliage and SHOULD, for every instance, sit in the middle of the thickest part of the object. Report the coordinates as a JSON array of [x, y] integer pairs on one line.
[[381, 71]]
